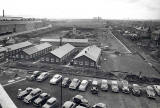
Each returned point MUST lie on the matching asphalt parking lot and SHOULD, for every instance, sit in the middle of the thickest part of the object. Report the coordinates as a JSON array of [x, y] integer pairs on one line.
[[122, 100]]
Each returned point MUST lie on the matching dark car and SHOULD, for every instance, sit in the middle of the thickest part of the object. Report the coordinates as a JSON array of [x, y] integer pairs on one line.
[[51, 103], [94, 88], [136, 90], [66, 81], [41, 99], [24, 93], [42, 76], [33, 95], [80, 100]]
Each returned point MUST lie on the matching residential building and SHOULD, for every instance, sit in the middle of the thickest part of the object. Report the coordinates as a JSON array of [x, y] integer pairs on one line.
[[36, 51], [60, 55], [88, 57], [2, 54]]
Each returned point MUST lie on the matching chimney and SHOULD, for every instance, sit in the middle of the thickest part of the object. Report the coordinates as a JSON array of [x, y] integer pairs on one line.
[[3, 12]]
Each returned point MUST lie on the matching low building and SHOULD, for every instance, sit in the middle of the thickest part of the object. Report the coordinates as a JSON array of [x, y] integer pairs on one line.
[[156, 37], [59, 55], [36, 51], [2, 54], [88, 57], [12, 51]]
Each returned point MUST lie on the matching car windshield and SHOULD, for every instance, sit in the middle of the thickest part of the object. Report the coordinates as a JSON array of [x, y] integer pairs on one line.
[[56, 76]]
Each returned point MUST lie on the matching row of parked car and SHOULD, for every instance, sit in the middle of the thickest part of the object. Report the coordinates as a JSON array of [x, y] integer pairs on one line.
[[75, 83], [44, 100]]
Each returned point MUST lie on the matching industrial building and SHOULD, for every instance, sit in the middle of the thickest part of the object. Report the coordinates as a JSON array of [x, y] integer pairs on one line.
[[12, 51], [36, 51], [59, 55], [88, 57], [74, 42]]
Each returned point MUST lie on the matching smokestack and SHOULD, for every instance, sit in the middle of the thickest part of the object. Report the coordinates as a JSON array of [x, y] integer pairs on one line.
[[3, 12]]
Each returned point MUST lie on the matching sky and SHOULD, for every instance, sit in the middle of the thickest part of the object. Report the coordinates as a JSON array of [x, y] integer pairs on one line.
[[79, 9]]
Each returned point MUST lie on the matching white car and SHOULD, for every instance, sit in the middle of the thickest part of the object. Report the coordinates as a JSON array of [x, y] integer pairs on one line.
[[83, 85], [104, 85], [42, 76], [99, 105], [69, 104], [150, 92], [125, 88], [55, 79], [114, 86], [74, 84], [157, 89]]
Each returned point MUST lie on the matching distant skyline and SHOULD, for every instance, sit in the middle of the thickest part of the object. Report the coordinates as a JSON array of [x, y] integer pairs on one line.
[[82, 9]]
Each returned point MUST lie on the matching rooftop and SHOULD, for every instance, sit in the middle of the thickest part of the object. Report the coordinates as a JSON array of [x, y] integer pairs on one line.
[[63, 50], [91, 52], [37, 48], [156, 32]]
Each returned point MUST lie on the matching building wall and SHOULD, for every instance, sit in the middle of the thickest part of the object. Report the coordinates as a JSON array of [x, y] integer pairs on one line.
[[2, 56], [84, 61]]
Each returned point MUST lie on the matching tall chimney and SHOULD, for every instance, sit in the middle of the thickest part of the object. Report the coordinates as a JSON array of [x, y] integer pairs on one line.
[[3, 12]]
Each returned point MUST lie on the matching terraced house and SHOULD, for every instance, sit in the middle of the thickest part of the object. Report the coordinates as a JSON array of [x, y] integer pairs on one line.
[[36, 51], [88, 57], [59, 55]]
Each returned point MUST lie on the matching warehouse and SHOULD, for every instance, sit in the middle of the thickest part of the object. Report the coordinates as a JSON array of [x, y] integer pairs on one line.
[[88, 57], [59, 55], [74, 42], [2, 54], [12, 51], [36, 51]]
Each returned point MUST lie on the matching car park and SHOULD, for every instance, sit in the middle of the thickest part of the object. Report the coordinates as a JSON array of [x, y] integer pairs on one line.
[[66, 81], [136, 90], [55, 79], [157, 89], [83, 85], [51, 103], [74, 84], [125, 87], [24, 93], [41, 99], [80, 100], [94, 88], [99, 105], [69, 104], [114, 86], [104, 85], [42, 76], [33, 95], [150, 92]]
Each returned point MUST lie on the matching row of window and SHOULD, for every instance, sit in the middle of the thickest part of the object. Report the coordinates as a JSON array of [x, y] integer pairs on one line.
[[86, 63], [50, 59]]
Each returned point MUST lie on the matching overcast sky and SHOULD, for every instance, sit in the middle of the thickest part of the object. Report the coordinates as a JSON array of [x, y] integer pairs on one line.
[[109, 9]]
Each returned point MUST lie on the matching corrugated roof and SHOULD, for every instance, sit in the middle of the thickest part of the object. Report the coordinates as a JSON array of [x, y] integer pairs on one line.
[[65, 40], [37, 48], [19, 45], [63, 50], [91, 52]]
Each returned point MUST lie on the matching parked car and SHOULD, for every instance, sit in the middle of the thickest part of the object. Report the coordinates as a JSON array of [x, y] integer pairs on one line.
[[55, 79], [33, 95], [83, 85], [136, 90], [69, 104], [99, 105], [150, 92], [79, 106], [104, 85], [114, 86], [94, 88], [42, 76], [125, 88], [157, 89], [51, 103], [80, 100], [41, 99], [66, 81], [24, 93], [34, 75], [74, 84]]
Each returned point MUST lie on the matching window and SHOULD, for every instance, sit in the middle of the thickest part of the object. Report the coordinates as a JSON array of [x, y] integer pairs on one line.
[[81, 63], [22, 56], [42, 59], [47, 59], [86, 62], [57, 60], [52, 59], [75, 61], [92, 63]]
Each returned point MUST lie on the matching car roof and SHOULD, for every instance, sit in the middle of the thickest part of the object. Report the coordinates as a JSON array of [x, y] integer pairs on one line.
[[84, 81], [75, 79], [114, 82], [56, 75], [157, 86], [78, 96], [101, 105], [52, 99], [43, 94], [68, 103], [79, 106], [149, 87], [103, 80], [94, 82]]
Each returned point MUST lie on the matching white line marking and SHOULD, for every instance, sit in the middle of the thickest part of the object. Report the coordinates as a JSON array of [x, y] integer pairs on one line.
[[121, 43], [14, 82]]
